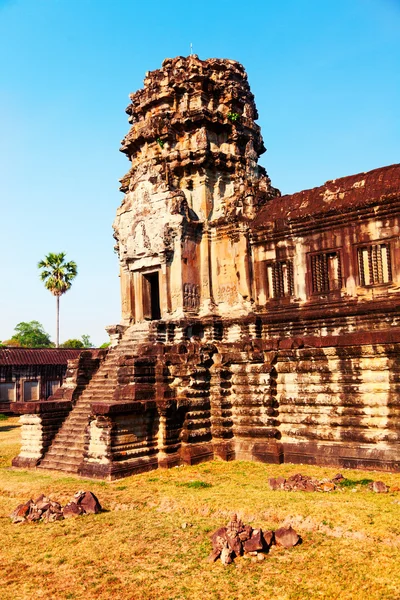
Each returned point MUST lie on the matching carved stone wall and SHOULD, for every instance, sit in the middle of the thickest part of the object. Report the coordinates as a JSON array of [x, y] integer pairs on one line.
[[193, 148]]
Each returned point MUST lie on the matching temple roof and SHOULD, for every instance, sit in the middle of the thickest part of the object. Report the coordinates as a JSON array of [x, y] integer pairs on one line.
[[335, 196], [37, 356]]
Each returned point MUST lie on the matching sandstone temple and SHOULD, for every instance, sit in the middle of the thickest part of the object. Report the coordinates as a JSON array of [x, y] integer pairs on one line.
[[255, 326]]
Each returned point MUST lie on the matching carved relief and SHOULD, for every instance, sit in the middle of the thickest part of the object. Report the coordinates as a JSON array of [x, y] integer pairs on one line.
[[191, 296]]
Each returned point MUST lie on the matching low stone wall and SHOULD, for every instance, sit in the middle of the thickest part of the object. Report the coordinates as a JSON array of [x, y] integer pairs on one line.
[[330, 401], [121, 439], [300, 401], [340, 405], [40, 422]]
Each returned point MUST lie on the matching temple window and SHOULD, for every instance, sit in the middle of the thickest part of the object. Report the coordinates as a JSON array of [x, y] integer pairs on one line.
[[374, 264], [7, 392], [280, 279], [326, 272], [52, 387], [31, 391]]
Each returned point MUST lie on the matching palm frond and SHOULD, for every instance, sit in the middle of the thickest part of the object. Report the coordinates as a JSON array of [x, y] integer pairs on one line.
[[57, 274]]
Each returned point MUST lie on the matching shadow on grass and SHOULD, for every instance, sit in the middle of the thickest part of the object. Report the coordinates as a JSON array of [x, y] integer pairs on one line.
[[4, 428], [353, 482]]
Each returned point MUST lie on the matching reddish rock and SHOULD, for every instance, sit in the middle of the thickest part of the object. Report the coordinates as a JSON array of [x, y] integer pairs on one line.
[[43, 503], [276, 483], [226, 556], [55, 516], [20, 513], [34, 515], [89, 502], [72, 510], [286, 537], [219, 539], [379, 487], [246, 533], [268, 537], [255, 542], [214, 555], [235, 544]]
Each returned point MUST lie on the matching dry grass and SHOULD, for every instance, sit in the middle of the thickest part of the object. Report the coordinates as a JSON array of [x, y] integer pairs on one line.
[[138, 550]]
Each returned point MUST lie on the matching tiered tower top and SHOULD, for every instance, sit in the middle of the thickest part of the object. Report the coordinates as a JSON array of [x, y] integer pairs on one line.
[[193, 115]]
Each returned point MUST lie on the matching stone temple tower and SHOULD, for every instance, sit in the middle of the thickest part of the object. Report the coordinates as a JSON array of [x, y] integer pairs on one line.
[[193, 185], [254, 326]]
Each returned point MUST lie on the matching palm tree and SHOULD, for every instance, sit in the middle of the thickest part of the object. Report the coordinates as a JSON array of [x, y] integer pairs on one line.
[[57, 276]]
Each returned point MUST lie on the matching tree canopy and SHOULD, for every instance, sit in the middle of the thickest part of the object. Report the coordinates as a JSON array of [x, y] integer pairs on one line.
[[30, 335], [57, 274], [84, 342], [72, 343]]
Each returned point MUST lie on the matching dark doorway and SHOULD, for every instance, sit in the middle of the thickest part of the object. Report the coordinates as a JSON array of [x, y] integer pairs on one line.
[[151, 296]]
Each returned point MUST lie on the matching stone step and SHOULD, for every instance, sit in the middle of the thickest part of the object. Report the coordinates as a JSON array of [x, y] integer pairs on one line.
[[74, 435], [73, 459], [60, 465], [66, 451], [62, 455]]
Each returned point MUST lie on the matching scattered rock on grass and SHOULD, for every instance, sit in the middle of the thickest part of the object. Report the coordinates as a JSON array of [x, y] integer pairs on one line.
[[286, 537], [378, 487], [47, 510], [238, 539], [304, 483]]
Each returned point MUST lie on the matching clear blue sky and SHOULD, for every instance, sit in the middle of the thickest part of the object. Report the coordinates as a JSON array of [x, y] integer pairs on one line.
[[325, 74]]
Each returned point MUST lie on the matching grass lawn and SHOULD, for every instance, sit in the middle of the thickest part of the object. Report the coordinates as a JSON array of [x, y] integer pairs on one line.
[[137, 549]]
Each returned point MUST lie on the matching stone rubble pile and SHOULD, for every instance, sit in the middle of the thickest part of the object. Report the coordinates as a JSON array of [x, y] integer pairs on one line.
[[47, 510], [238, 539], [304, 483]]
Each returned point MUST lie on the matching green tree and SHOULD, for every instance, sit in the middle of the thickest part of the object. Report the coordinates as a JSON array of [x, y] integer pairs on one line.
[[30, 335], [57, 276], [86, 341], [72, 343]]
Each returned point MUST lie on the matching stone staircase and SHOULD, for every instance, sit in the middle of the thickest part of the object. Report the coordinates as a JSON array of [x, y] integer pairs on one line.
[[67, 449]]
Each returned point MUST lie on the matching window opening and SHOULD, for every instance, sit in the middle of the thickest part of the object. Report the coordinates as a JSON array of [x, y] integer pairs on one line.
[[7, 392], [374, 264], [280, 279], [51, 387], [326, 271], [31, 391]]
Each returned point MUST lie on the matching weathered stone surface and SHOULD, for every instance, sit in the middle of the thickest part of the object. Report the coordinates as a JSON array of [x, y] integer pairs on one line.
[[72, 510], [269, 538], [256, 542], [286, 537], [379, 487], [226, 556], [254, 326], [218, 538], [20, 513], [89, 503]]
